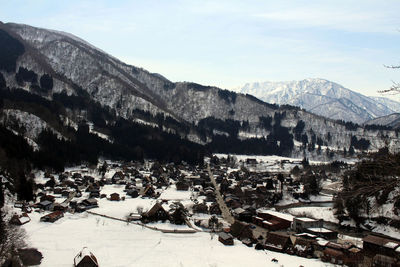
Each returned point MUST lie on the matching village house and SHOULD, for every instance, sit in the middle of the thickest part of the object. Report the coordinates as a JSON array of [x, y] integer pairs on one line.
[[114, 197], [118, 176], [60, 206], [276, 241], [303, 245], [344, 254], [85, 258], [20, 219], [156, 213], [90, 203], [225, 238], [52, 217], [381, 250], [44, 205], [322, 232], [47, 198], [273, 220]]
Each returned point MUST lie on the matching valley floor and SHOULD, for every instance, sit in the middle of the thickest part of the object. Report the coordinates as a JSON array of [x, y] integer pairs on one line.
[[116, 243]]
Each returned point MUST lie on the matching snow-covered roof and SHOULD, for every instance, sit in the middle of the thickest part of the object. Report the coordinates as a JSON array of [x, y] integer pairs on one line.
[[305, 219], [285, 216], [306, 234], [85, 253], [24, 219], [320, 230], [322, 242], [392, 245]]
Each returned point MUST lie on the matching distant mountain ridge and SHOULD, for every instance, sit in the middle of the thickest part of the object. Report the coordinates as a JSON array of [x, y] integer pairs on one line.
[[324, 98], [392, 120]]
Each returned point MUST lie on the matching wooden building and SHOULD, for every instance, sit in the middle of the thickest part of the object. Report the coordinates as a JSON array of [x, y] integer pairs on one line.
[[114, 197], [225, 238], [20, 219], [156, 213], [85, 258], [273, 220], [52, 217], [276, 241]]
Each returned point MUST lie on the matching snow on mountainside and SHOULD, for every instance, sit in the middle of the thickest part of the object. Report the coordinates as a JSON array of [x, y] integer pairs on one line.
[[132, 93], [390, 103], [392, 120], [323, 98]]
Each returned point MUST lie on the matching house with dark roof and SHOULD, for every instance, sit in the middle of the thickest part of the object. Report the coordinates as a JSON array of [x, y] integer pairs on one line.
[[273, 220], [156, 213], [379, 249], [52, 217], [225, 238], [276, 241], [85, 258], [20, 219], [344, 254], [114, 197], [45, 205]]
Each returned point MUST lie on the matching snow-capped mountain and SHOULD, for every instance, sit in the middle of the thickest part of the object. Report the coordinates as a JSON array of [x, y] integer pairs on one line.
[[90, 87], [324, 98], [390, 103]]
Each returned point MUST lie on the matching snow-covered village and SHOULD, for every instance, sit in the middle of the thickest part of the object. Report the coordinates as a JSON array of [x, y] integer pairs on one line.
[[233, 210]]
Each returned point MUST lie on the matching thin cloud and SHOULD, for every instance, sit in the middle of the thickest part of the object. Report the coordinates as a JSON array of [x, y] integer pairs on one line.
[[339, 19]]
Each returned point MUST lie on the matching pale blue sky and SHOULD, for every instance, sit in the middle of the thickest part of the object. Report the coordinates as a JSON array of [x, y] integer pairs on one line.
[[228, 43]]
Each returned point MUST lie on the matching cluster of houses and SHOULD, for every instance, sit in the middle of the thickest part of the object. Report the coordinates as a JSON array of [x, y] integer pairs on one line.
[[81, 192], [306, 237], [243, 192]]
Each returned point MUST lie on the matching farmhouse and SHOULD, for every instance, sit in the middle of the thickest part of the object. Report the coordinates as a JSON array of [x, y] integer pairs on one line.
[[342, 254], [114, 197], [85, 258], [279, 242], [156, 213], [273, 220], [381, 250], [225, 239], [45, 205], [20, 219], [52, 217]]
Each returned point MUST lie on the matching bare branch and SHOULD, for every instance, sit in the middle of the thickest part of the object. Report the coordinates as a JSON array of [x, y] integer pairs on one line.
[[392, 66], [394, 89]]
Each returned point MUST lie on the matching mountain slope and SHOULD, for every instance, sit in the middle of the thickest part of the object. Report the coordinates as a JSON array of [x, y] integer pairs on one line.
[[392, 120], [144, 114], [322, 97], [392, 104]]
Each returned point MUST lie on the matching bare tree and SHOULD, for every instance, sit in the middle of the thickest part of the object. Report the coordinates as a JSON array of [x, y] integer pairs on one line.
[[395, 88]]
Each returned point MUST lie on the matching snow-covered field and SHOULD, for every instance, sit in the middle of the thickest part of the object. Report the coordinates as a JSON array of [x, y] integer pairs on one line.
[[325, 213], [116, 243]]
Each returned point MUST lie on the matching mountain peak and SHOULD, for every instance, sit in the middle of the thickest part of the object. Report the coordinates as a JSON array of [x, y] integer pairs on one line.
[[322, 97]]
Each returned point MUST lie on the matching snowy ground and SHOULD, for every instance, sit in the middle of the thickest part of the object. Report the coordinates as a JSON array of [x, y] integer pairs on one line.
[[325, 213], [115, 243], [270, 163]]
